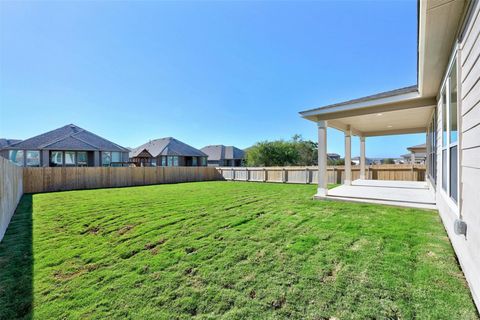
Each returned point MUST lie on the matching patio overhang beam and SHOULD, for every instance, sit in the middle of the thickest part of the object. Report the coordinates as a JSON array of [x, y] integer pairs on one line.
[[344, 127], [373, 108]]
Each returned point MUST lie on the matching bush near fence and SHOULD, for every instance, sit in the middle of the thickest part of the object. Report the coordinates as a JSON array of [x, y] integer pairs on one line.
[[336, 174]]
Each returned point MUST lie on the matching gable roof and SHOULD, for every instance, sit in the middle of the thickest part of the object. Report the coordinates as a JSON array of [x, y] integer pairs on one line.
[[7, 142], [417, 155], [422, 147], [69, 137], [221, 152], [167, 147]]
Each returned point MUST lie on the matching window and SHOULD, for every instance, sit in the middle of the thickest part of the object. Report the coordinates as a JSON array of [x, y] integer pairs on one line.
[[70, 158], [450, 134], [444, 119], [154, 162], [452, 122], [164, 161], [175, 161], [194, 161], [170, 161], [16, 156], [116, 157], [56, 158], [204, 161], [82, 159], [33, 158], [106, 158]]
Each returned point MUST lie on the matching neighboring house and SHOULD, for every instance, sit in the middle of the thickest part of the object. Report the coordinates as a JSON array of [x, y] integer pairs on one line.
[[7, 142], [418, 154], [167, 152], [444, 104], [224, 156], [333, 156], [356, 161], [69, 146]]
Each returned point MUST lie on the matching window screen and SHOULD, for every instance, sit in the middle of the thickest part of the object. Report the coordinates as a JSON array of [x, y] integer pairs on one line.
[[444, 169], [453, 172]]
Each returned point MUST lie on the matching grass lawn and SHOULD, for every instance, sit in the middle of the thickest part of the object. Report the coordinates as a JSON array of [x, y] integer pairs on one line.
[[225, 249]]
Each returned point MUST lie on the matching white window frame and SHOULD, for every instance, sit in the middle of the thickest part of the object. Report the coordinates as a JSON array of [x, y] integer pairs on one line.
[[59, 152], [446, 88]]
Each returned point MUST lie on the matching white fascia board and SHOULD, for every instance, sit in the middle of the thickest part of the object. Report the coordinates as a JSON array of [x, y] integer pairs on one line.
[[361, 104], [422, 18]]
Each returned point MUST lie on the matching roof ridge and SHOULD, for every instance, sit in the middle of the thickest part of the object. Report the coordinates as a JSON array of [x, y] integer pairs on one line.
[[56, 140]]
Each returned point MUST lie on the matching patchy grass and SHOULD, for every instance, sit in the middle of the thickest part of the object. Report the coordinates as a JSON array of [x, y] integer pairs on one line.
[[225, 249]]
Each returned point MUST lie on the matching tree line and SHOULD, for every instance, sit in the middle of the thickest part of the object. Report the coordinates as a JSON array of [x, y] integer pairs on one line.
[[294, 152]]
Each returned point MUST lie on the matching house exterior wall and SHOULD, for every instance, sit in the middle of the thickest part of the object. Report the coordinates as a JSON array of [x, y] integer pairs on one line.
[[466, 247], [215, 163], [226, 163], [182, 161], [93, 157]]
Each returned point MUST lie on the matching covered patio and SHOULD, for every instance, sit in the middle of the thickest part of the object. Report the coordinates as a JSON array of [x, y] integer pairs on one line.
[[401, 111]]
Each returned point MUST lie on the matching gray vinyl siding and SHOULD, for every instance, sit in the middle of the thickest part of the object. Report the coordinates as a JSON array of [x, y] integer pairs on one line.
[[469, 171]]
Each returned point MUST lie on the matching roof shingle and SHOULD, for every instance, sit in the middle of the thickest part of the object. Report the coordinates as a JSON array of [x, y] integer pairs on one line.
[[69, 137], [167, 147], [221, 152]]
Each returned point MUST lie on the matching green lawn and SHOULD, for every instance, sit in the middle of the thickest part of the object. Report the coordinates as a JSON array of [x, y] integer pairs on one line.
[[225, 249]]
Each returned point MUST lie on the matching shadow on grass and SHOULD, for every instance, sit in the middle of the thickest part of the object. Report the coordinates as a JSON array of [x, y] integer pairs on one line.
[[16, 264]]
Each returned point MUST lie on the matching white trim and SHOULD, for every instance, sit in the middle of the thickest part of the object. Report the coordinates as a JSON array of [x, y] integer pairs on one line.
[[448, 200], [445, 91], [361, 104]]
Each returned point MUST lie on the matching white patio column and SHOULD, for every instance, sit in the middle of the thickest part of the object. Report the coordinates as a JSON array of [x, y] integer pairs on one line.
[[362, 158], [412, 158], [348, 158], [322, 159]]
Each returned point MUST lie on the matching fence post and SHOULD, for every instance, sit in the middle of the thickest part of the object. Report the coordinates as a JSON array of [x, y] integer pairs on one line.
[[413, 173], [247, 174], [233, 174], [284, 175], [264, 174], [307, 176]]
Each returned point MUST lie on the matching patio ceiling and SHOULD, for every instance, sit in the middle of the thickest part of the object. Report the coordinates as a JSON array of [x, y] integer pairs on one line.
[[395, 112], [386, 123], [437, 27]]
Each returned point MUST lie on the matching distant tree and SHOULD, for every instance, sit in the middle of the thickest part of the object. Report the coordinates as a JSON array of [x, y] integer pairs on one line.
[[307, 151], [339, 162], [388, 161], [296, 152]]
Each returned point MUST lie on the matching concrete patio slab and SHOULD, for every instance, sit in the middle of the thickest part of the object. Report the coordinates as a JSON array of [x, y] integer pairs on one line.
[[396, 193]]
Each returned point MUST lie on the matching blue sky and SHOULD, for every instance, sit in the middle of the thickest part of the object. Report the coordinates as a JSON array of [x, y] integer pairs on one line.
[[204, 72]]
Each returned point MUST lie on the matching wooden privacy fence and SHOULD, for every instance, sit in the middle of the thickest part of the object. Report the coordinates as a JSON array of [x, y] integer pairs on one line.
[[11, 190], [336, 174], [61, 179]]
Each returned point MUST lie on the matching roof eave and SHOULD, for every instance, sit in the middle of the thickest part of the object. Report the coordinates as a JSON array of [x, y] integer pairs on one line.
[[389, 103]]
